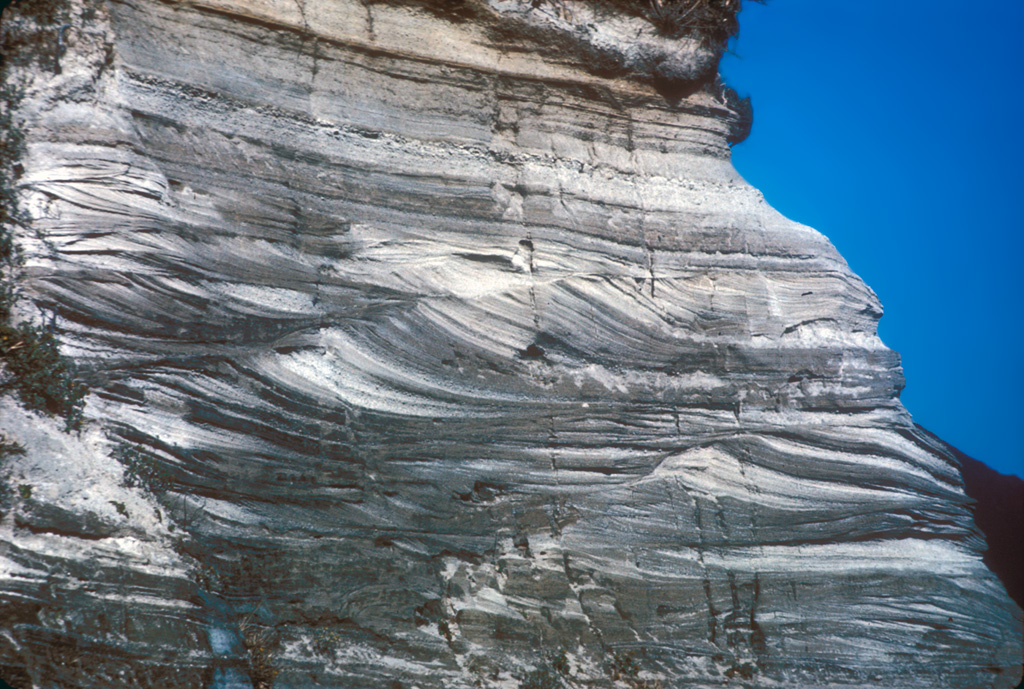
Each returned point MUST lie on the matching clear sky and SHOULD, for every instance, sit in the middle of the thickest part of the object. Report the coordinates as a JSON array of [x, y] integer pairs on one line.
[[894, 128]]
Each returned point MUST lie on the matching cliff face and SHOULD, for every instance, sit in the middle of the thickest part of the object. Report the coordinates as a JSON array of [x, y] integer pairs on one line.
[[434, 339]]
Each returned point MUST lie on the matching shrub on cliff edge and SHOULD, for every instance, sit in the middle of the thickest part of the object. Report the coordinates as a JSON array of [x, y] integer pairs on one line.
[[715, 21]]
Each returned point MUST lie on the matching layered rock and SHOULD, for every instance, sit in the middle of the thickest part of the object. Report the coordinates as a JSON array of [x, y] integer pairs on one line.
[[431, 350]]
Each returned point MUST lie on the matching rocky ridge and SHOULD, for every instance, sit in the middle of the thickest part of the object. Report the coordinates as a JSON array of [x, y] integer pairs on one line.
[[438, 339]]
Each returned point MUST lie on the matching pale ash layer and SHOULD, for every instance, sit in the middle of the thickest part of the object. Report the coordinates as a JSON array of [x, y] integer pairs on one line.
[[444, 353]]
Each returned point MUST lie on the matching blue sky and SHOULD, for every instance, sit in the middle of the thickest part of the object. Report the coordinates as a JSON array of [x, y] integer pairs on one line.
[[894, 128]]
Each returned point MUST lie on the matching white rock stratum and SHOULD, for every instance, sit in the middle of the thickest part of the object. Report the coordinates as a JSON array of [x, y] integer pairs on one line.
[[448, 337]]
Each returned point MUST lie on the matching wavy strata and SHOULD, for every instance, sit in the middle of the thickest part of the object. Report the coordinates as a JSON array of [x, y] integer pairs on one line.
[[448, 351]]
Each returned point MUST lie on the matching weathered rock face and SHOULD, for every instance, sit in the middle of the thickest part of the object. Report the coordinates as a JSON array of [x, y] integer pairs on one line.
[[429, 350]]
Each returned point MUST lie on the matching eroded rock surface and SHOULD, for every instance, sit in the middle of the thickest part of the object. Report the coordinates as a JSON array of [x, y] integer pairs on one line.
[[429, 351]]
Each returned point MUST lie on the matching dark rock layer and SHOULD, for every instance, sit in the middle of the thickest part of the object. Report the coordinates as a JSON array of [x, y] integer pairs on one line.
[[426, 353]]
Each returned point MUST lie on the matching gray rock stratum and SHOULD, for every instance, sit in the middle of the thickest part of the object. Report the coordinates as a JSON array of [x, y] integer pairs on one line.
[[435, 339]]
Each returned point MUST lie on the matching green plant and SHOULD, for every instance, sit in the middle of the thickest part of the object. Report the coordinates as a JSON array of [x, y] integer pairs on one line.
[[325, 640], [119, 506], [623, 665], [44, 379], [25, 491], [549, 674], [544, 677], [445, 630], [141, 469], [204, 576], [560, 663], [43, 11], [12, 147], [712, 20], [715, 19], [9, 448], [743, 670]]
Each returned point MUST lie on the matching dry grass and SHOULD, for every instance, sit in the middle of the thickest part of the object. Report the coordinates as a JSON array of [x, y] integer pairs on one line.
[[715, 21], [260, 643]]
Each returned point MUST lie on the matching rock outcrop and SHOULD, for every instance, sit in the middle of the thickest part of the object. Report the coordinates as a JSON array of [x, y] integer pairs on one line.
[[429, 341]]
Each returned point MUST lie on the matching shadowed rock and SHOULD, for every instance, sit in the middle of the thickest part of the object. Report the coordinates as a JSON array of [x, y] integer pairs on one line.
[[999, 513]]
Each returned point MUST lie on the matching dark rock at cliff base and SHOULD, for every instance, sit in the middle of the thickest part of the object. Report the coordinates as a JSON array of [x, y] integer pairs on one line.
[[999, 513]]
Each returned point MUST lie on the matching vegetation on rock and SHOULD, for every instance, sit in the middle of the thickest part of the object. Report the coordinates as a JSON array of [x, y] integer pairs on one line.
[[259, 643], [44, 379], [713, 20], [140, 469], [30, 360], [9, 447]]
